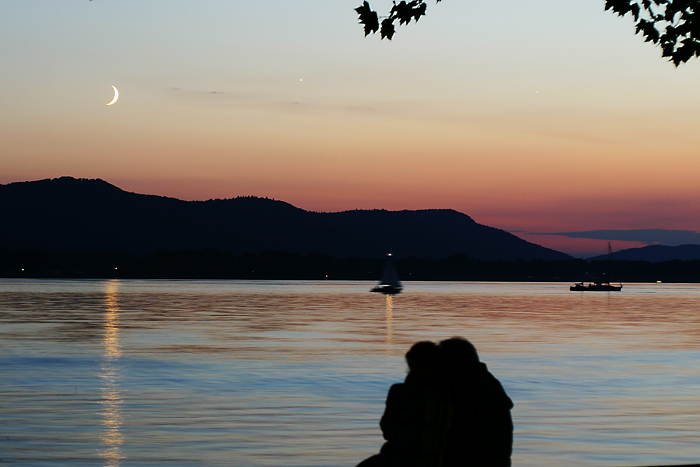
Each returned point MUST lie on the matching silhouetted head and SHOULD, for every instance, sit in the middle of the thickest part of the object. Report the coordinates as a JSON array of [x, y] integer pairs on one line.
[[423, 356], [458, 351]]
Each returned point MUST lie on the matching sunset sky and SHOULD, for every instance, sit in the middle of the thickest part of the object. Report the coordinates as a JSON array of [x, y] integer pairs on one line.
[[538, 116]]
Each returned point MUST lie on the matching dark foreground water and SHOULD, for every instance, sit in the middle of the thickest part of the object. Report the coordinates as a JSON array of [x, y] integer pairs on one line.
[[195, 373]]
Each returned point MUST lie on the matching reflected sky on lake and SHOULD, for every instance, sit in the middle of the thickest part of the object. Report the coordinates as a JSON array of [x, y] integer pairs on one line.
[[190, 373]]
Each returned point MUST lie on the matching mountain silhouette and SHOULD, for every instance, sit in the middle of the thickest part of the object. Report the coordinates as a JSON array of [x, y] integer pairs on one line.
[[655, 254], [88, 215]]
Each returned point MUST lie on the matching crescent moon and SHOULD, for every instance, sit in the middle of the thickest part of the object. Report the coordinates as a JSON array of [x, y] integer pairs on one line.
[[116, 96]]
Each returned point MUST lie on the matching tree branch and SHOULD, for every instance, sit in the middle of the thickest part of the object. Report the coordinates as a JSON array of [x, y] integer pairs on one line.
[[673, 25]]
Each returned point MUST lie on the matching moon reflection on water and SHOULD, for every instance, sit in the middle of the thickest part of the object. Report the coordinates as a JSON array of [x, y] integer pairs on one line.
[[111, 400]]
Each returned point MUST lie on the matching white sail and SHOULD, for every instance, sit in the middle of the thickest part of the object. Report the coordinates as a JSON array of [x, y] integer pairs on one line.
[[390, 277], [389, 283]]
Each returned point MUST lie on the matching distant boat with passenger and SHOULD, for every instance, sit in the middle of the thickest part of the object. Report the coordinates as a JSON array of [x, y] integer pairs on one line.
[[596, 285], [389, 283]]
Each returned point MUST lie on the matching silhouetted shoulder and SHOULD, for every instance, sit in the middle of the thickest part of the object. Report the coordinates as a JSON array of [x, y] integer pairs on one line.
[[390, 419], [494, 389]]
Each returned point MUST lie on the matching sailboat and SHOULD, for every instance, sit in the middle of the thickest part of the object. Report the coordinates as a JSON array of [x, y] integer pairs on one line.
[[595, 286], [390, 283], [598, 285]]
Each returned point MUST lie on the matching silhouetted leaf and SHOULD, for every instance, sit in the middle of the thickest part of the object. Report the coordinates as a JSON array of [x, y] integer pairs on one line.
[[402, 12], [368, 18], [635, 11], [388, 29], [621, 7], [648, 30], [419, 11]]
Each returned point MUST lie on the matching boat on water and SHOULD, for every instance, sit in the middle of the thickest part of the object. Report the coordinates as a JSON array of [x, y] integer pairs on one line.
[[389, 283], [595, 286]]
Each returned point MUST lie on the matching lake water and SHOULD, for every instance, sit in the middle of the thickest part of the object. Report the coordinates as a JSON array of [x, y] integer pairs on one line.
[[289, 373]]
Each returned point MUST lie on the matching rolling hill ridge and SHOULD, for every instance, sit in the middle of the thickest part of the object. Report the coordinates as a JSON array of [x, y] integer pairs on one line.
[[87, 215]]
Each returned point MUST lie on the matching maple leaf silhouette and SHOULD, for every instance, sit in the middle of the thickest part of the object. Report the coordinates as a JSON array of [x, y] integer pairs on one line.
[[419, 11], [388, 29], [368, 18], [403, 12], [648, 30]]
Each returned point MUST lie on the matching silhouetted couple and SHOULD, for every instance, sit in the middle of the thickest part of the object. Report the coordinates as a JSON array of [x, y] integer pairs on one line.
[[449, 412]]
